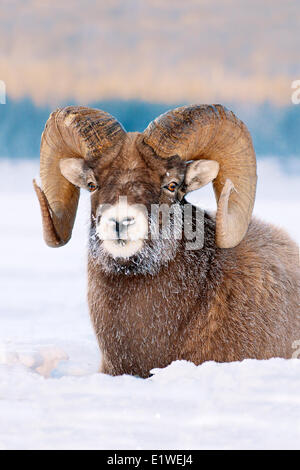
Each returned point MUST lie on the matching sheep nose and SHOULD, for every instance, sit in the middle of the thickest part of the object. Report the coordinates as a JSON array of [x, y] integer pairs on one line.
[[120, 225]]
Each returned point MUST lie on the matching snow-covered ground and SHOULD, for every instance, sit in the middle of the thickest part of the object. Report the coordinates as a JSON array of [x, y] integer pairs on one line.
[[51, 396]]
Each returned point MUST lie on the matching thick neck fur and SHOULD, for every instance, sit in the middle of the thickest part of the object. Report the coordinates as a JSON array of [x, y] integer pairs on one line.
[[140, 318], [205, 305]]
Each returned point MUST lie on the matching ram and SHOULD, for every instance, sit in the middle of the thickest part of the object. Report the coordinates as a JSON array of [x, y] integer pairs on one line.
[[151, 299]]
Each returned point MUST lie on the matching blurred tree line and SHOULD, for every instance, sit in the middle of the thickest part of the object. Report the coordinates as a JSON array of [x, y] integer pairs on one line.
[[275, 130]]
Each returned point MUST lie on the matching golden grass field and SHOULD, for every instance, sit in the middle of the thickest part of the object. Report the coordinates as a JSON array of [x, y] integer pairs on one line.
[[167, 51]]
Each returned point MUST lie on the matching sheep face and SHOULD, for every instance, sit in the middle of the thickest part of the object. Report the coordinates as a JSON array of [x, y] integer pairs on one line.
[[128, 234], [136, 209]]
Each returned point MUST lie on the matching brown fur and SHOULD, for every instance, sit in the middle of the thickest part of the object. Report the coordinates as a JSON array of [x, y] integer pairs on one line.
[[211, 304]]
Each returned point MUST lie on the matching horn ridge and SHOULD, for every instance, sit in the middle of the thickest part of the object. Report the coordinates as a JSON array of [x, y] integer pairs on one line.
[[73, 131], [213, 132]]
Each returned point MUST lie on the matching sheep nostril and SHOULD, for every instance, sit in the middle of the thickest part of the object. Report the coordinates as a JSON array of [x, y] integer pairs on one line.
[[120, 225], [128, 221]]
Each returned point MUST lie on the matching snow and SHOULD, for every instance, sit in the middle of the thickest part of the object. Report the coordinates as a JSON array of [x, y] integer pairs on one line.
[[51, 396]]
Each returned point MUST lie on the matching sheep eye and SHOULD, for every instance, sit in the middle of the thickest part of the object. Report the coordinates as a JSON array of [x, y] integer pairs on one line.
[[171, 186], [92, 187]]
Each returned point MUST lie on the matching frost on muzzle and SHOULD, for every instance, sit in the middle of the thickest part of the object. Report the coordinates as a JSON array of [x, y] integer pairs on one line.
[[123, 228]]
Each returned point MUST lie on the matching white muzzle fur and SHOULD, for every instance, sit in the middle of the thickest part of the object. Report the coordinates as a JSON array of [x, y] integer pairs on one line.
[[122, 228]]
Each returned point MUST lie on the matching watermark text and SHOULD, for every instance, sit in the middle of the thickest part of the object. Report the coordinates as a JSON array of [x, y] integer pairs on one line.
[[2, 92]]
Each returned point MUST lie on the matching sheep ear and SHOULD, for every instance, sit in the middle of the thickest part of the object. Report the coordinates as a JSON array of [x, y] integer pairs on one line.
[[77, 172], [199, 173]]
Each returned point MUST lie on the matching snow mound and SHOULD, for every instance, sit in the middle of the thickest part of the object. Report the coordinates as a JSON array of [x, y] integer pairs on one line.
[[41, 359], [252, 404]]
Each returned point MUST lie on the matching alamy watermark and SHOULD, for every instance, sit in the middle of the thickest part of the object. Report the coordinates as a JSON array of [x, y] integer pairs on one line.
[[164, 222], [296, 345], [296, 94], [2, 92]]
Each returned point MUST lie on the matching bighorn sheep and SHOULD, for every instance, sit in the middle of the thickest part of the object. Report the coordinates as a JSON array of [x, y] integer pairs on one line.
[[153, 301]]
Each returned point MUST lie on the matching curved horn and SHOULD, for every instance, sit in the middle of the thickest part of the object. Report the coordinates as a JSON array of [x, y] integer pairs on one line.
[[212, 132], [74, 131]]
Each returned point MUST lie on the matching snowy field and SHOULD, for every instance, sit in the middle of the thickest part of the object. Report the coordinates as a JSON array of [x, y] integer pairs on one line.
[[51, 396]]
